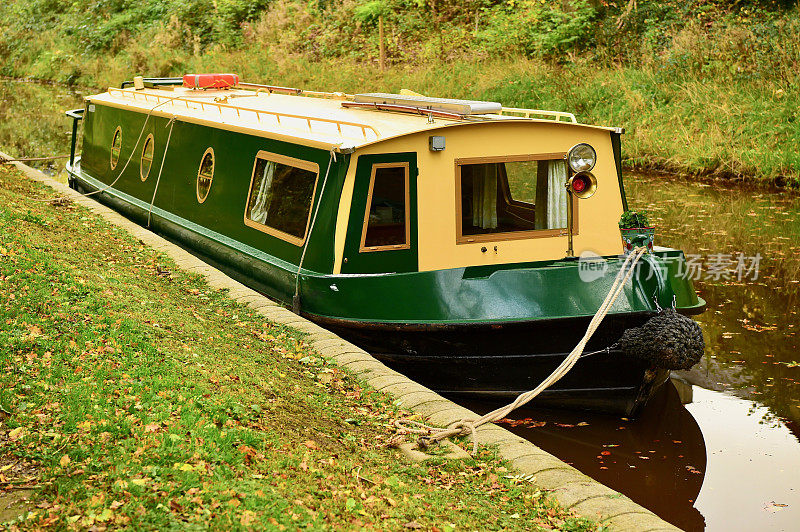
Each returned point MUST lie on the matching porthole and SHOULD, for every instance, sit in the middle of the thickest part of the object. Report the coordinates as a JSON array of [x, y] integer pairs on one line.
[[205, 175], [147, 157], [116, 147]]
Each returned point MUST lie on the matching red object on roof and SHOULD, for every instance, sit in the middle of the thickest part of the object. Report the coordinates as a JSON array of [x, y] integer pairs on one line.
[[210, 81]]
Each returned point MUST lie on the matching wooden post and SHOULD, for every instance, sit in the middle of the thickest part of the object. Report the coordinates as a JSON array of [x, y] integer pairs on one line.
[[380, 43]]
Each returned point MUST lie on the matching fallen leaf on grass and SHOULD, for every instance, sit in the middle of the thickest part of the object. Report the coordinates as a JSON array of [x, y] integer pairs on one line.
[[64, 462], [97, 499], [248, 518]]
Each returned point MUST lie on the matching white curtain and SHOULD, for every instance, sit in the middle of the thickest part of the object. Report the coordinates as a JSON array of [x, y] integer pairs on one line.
[[260, 206], [484, 196], [557, 195]]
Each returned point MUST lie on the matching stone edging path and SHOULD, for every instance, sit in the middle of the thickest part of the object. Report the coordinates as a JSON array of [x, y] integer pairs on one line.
[[571, 488]]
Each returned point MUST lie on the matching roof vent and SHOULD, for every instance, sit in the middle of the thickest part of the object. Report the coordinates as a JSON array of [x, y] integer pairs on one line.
[[462, 107]]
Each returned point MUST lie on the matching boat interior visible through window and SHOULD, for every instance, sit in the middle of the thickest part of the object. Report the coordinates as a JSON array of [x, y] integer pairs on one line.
[[513, 196], [280, 197]]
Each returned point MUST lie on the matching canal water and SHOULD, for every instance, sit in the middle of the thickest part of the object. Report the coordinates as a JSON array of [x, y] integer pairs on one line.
[[719, 447]]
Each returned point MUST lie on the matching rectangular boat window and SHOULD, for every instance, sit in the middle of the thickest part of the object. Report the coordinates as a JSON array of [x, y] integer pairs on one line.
[[281, 192], [386, 221], [511, 197]]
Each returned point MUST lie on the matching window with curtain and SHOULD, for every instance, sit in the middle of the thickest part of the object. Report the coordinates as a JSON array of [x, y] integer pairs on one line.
[[280, 199], [512, 196]]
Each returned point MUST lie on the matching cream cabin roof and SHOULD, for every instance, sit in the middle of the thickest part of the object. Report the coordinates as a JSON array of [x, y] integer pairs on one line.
[[317, 120]]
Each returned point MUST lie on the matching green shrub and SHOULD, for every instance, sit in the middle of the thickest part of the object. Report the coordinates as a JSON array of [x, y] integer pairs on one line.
[[634, 220]]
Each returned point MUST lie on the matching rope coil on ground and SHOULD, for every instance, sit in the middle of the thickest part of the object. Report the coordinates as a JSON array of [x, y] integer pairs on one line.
[[428, 434]]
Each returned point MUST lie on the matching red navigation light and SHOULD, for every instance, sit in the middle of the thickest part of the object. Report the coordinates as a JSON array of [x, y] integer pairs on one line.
[[579, 184], [583, 185]]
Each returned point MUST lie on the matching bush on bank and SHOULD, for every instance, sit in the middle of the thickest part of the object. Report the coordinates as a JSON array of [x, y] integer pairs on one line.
[[702, 86]]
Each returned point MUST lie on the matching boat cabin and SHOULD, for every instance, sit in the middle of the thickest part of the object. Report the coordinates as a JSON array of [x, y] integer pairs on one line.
[[389, 183]]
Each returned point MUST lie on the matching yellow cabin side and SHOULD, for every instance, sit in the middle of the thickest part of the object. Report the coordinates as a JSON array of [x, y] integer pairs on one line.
[[595, 224]]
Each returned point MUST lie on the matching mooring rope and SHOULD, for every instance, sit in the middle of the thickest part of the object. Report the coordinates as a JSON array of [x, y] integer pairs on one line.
[[431, 434], [171, 125], [296, 296], [28, 159]]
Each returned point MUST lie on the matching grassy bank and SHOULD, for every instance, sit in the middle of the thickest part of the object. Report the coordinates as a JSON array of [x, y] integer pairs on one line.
[[703, 87], [132, 395]]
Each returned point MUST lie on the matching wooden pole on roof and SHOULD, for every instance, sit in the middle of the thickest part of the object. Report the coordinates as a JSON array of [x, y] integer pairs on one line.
[[381, 46]]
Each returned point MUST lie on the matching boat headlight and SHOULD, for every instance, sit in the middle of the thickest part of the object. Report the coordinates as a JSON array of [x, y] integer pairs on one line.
[[581, 158]]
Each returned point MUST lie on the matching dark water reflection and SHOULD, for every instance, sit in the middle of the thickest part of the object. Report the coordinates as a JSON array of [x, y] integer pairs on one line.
[[727, 459]]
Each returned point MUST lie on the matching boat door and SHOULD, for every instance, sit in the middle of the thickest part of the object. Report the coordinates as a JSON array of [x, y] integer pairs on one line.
[[382, 230]]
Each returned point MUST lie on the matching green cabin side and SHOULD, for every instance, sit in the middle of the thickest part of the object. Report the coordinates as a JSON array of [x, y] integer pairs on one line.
[[221, 215]]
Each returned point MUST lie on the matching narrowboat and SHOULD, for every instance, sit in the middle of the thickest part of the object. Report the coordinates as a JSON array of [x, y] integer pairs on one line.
[[442, 236]]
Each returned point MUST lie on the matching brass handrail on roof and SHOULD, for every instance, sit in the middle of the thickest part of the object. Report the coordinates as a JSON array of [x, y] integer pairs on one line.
[[558, 115], [257, 112]]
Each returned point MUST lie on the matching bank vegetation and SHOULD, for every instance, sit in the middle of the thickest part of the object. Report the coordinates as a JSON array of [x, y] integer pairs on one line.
[[703, 87]]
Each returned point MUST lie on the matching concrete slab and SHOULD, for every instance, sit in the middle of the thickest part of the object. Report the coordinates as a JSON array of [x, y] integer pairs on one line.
[[417, 397], [552, 477], [609, 507], [382, 381], [572, 493], [643, 522]]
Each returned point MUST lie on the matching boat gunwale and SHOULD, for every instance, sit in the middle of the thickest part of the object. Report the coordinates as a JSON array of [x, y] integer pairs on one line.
[[458, 325]]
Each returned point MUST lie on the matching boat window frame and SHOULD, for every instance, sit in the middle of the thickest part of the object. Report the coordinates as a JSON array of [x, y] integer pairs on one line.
[[112, 161], [362, 248], [288, 161], [511, 235], [209, 150], [150, 138]]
